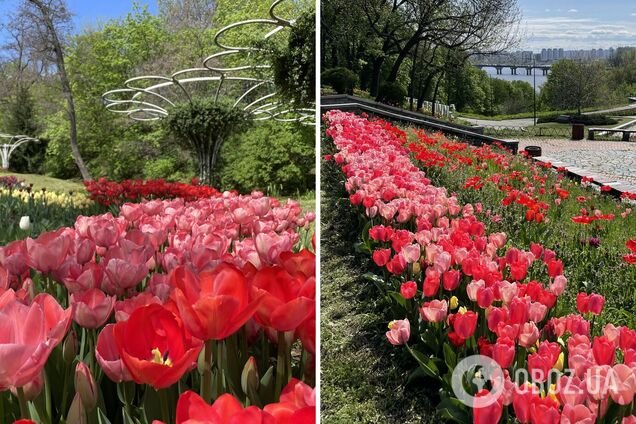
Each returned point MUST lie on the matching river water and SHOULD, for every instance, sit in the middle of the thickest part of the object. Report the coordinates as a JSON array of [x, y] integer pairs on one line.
[[521, 76]]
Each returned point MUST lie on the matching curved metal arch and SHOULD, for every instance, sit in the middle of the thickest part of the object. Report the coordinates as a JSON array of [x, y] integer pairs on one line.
[[8, 144], [150, 97]]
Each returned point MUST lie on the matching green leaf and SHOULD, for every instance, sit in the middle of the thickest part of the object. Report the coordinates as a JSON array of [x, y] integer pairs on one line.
[[427, 364], [101, 417], [450, 357], [399, 299], [453, 410]]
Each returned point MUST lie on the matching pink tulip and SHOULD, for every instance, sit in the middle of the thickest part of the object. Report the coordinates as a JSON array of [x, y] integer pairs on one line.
[[48, 251], [622, 384], [528, 334], [399, 332], [596, 381], [577, 414], [108, 357], [557, 287], [92, 308], [571, 390], [28, 335], [13, 257], [537, 311], [434, 311], [104, 230], [473, 289]]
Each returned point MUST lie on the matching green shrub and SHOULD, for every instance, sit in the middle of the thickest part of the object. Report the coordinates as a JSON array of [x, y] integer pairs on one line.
[[391, 93], [270, 154], [342, 80], [294, 68]]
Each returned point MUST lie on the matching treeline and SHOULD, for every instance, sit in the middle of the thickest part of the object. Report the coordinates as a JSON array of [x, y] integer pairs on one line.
[[100, 58], [414, 48]]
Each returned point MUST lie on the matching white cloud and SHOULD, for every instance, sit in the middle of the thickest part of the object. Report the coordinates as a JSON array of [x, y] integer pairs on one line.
[[633, 14], [573, 11]]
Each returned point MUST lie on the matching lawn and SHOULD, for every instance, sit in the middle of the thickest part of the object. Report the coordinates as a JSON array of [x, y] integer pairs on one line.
[[51, 184]]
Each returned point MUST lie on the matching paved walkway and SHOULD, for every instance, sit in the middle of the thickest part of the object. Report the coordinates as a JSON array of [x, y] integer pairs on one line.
[[611, 159]]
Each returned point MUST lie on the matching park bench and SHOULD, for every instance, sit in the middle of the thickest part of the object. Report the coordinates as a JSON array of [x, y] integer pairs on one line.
[[626, 134]]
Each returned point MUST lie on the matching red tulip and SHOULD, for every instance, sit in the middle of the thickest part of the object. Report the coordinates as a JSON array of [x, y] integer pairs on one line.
[[108, 358], [92, 308], [226, 409], [303, 262], [408, 289], [503, 352], [297, 404], [28, 334], [450, 279], [155, 347], [522, 400], [488, 414], [603, 350], [545, 411], [465, 324], [287, 301]]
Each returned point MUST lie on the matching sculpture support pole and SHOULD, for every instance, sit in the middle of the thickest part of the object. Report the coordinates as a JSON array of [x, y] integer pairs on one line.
[[5, 156]]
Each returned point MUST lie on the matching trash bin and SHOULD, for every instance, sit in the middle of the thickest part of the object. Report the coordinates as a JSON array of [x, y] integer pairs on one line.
[[533, 151], [578, 131]]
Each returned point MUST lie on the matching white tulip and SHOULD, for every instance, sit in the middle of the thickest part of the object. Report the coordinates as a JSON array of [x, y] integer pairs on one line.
[[25, 223]]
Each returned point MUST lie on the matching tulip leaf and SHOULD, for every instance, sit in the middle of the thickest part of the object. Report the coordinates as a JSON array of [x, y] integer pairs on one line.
[[399, 299], [427, 364], [361, 247], [377, 280], [101, 417], [450, 357], [266, 389], [453, 410]]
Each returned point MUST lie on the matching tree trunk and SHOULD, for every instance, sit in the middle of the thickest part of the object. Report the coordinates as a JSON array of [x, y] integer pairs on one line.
[[435, 94], [412, 84], [375, 76], [66, 86], [395, 69]]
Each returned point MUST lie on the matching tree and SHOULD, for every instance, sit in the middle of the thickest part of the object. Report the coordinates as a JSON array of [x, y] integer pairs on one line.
[[47, 22], [575, 85], [203, 125]]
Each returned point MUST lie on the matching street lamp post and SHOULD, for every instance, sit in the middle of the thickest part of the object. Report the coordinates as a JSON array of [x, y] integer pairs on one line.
[[534, 91]]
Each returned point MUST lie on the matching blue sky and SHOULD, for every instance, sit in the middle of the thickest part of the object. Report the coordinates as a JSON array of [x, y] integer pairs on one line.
[[578, 24], [89, 12]]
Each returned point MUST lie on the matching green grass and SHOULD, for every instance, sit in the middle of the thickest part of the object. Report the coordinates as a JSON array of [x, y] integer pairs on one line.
[[363, 377], [530, 114], [51, 184]]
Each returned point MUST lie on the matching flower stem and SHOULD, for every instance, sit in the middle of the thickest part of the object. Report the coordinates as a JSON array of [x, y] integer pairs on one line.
[[165, 407], [24, 407], [281, 365], [206, 384]]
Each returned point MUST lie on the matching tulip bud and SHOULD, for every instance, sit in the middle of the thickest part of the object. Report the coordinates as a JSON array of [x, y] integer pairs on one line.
[[416, 267], [25, 223], [70, 347], [249, 377], [76, 413], [32, 389], [85, 386], [201, 362], [558, 365], [454, 302]]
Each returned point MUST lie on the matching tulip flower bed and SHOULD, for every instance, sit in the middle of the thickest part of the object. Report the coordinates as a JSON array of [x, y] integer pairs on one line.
[[459, 289], [109, 193], [174, 310], [587, 229]]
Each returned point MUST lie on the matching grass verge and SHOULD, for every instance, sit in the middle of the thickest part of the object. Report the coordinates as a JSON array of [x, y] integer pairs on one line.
[[363, 378]]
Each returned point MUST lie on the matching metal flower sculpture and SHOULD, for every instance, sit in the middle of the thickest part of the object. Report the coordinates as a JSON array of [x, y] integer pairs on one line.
[[232, 73], [8, 145]]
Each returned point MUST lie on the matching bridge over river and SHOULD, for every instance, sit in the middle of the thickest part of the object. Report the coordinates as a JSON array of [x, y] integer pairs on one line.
[[513, 68]]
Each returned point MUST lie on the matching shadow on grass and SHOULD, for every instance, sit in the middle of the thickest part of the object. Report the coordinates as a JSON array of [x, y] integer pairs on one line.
[[363, 378]]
